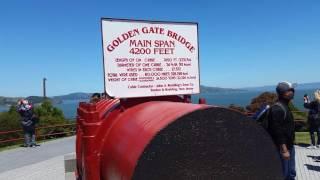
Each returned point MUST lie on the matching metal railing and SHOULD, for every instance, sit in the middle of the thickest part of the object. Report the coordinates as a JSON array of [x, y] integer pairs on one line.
[[52, 131], [67, 129]]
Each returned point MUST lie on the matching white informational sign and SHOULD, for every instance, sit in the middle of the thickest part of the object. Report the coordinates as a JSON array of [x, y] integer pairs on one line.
[[150, 58]]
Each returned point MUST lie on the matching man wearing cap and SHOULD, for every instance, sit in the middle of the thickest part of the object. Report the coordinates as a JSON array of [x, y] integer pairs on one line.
[[281, 128]]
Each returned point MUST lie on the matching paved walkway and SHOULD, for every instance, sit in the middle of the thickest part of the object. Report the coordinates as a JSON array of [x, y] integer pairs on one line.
[[47, 162], [44, 163], [307, 167], [51, 169]]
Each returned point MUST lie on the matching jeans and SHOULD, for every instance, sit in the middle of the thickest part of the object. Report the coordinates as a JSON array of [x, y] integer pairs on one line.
[[289, 166], [314, 129], [29, 136]]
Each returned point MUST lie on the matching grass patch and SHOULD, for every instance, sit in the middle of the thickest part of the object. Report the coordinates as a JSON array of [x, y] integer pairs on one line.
[[303, 138], [10, 147]]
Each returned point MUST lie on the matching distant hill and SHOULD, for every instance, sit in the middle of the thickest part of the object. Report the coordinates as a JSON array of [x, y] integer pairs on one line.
[[73, 96], [303, 86], [207, 89], [8, 100], [308, 86], [14, 100], [40, 99], [81, 96]]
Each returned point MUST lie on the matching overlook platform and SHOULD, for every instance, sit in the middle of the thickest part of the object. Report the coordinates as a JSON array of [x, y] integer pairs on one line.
[[47, 161]]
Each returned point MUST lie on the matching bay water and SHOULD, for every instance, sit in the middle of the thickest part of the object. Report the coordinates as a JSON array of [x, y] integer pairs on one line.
[[69, 107]]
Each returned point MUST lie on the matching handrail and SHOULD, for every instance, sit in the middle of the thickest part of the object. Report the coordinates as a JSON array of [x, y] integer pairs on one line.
[[11, 131], [37, 134], [44, 127], [40, 127]]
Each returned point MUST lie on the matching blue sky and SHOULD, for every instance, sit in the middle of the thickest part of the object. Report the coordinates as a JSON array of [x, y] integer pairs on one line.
[[242, 43]]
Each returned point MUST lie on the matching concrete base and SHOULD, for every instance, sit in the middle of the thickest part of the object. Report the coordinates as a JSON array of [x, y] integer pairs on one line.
[[70, 166]]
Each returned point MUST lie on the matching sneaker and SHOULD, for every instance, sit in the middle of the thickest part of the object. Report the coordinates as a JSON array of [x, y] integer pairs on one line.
[[316, 159], [35, 145], [318, 146], [311, 147]]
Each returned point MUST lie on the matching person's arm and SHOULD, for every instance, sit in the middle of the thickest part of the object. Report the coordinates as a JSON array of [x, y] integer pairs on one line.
[[284, 152], [276, 125], [309, 105]]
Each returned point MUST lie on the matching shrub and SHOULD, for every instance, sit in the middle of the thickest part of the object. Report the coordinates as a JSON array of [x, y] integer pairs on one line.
[[48, 116]]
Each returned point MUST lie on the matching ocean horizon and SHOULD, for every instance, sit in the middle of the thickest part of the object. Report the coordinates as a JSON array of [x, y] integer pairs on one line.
[[69, 107]]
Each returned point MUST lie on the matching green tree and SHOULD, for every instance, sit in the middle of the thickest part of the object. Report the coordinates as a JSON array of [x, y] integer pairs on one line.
[[263, 99], [270, 98], [50, 116], [237, 108], [47, 114], [10, 120]]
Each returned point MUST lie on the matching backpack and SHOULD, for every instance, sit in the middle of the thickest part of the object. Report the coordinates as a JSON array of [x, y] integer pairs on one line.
[[262, 116]]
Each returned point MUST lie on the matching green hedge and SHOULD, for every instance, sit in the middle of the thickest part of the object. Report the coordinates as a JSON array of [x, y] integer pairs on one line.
[[48, 116]]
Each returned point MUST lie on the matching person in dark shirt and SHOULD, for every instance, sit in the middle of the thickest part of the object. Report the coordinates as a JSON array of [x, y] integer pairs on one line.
[[28, 122], [281, 128], [95, 97], [313, 118]]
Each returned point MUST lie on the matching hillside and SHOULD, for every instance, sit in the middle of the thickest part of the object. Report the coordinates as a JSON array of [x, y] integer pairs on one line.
[[33, 99], [207, 89], [81, 96], [303, 86], [8, 100], [40, 99], [73, 96]]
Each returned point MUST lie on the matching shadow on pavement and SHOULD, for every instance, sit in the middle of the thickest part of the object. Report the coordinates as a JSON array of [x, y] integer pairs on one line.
[[315, 158], [303, 145], [312, 167]]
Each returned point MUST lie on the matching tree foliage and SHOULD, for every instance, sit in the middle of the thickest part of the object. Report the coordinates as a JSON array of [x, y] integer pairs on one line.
[[9, 120], [237, 108], [47, 114], [270, 98], [263, 99]]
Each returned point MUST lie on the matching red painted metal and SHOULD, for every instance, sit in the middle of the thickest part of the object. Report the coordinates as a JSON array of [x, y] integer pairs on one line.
[[202, 101], [11, 140], [112, 134], [11, 131]]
